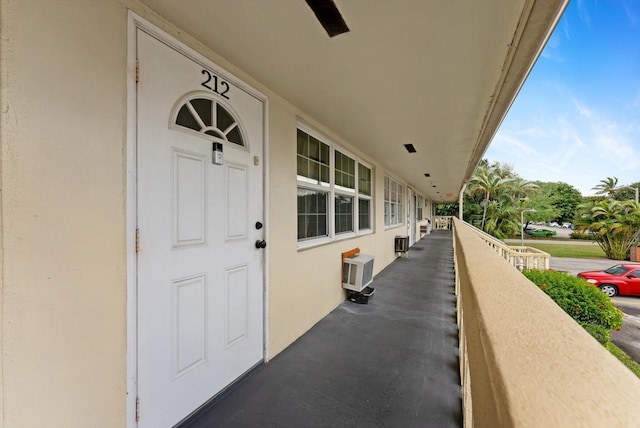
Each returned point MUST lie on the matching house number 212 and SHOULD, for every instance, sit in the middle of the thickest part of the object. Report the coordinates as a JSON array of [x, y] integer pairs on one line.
[[220, 87]]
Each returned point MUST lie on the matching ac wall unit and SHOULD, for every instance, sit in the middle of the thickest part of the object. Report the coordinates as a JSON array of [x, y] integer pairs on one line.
[[357, 272], [401, 244]]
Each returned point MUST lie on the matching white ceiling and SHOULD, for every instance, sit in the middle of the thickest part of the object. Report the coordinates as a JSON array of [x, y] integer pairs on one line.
[[438, 74]]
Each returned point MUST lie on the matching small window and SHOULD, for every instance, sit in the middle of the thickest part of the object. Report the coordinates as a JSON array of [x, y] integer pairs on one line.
[[334, 192], [312, 214], [364, 214], [208, 117], [345, 171], [393, 208], [344, 214], [364, 180], [313, 159]]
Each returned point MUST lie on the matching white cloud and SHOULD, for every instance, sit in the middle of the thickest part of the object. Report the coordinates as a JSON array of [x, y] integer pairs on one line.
[[572, 142], [633, 19], [614, 145], [582, 110], [512, 145], [583, 13]]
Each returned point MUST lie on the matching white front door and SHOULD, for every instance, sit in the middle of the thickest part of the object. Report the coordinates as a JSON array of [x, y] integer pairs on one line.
[[200, 272], [411, 216]]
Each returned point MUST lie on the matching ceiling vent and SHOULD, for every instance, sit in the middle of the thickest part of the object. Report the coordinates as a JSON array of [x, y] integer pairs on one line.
[[329, 16], [410, 148]]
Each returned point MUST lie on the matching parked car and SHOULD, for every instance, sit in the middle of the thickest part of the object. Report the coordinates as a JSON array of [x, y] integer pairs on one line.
[[623, 279], [567, 226], [554, 224], [540, 232]]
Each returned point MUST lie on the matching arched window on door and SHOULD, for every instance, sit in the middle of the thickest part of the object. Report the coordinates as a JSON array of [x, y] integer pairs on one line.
[[206, 116]]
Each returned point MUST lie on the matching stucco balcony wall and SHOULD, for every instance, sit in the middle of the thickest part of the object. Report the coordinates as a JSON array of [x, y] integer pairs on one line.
[[524, 362]]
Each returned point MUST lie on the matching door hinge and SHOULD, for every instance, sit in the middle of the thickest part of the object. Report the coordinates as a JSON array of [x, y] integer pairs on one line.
[[137, 409], [137, 240], [137, 71]]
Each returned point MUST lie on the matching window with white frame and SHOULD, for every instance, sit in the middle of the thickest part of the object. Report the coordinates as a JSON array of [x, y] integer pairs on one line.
[[364, 197], [393, 192], [324, 174]]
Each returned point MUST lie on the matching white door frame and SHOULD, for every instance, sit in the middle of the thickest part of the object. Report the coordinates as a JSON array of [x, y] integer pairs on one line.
[[135, 21], [411, 215]]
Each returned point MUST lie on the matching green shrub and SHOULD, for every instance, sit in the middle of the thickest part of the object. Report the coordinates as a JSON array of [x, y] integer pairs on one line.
[[600, 333], [581, 300], [580, 235]]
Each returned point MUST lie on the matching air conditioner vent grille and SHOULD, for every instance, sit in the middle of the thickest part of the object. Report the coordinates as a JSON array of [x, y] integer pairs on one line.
[[357, 272]]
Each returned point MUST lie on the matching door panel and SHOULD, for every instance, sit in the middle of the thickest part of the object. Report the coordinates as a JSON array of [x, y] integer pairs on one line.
[[200, 276], [189, 199]]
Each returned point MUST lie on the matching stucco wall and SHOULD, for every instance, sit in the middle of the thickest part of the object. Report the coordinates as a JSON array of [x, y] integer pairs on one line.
[[305, 285], [64, 207], [528, 363]]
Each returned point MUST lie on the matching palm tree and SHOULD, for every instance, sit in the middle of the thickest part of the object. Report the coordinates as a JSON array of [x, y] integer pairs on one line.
[[501, 221], [486, 181], [607, 187], [521, 189], [617, 225]]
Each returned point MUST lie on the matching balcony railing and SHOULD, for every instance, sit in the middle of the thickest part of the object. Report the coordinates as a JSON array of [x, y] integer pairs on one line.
[[523, 361], [520, 257], [442, 223]]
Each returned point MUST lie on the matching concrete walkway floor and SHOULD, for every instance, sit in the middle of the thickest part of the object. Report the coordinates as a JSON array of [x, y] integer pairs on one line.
[[390, 363]]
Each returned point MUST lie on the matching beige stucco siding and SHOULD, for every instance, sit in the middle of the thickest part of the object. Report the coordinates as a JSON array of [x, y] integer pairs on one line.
[[305, 285], [64, 208], [63, 177]]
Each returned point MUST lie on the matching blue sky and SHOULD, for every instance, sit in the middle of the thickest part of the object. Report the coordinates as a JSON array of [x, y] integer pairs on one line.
[[577, 117]]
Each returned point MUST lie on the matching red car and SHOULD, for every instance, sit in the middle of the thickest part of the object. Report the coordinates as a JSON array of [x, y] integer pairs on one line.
[[621, 279]]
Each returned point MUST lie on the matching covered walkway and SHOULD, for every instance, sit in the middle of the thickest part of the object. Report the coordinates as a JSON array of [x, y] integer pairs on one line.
[[390, 363]]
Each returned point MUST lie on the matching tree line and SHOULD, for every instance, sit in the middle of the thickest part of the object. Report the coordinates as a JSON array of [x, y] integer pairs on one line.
[[495, 198]]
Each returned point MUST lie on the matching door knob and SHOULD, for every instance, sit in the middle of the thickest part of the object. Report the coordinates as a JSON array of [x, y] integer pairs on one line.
[[261, 243]]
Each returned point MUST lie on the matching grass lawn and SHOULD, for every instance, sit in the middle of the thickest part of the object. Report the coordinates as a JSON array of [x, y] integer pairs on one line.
[[624, 358], [567, 250]]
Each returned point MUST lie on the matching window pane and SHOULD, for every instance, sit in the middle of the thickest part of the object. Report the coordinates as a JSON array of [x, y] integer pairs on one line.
[[364, 180], [364, 216], [313, 151], [314, 171], [186, 119], [235, 136], [303, 148], [312, 218], [303, 166], [203, 107], [345, 172], [386, 188], [324, 174], [344, 214], [394, 214], [324, 154], [225, 120], [302, 226], [387, 212]]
